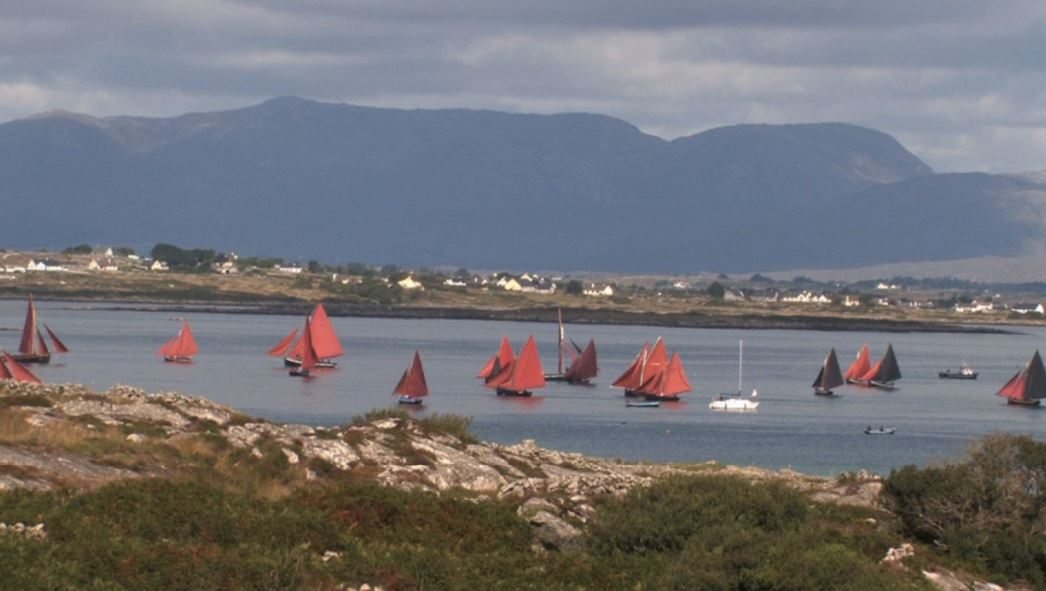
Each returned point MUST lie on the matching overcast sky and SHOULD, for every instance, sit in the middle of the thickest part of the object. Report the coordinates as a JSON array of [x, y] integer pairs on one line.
[[962, 83]]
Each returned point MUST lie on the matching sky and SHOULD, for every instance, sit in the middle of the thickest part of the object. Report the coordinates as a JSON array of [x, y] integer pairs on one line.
[[961, 83]]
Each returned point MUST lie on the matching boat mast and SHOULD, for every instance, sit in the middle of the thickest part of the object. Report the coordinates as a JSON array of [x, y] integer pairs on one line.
[[560, 313], [740, 362]]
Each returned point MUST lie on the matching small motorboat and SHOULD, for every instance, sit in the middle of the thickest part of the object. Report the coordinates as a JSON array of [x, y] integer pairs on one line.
[[735, 402], [965, 373], [642, 403], [410, 400], [869, 430]]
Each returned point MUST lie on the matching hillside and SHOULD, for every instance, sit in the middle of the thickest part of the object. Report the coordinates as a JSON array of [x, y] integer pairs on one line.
[[303, 179]]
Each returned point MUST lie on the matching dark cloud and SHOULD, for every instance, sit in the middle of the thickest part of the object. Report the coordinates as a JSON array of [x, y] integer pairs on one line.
[[959, 82]]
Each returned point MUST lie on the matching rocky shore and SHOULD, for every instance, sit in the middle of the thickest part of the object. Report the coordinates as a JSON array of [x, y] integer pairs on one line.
[[50, 434]]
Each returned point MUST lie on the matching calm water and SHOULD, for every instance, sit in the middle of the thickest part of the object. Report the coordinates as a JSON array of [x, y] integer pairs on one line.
[[934, 418]]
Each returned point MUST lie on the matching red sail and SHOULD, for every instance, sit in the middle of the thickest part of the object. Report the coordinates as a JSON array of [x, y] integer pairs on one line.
[[1015, 387], [59, 346], [633, 370], [872, 373], [41, 344], [584, 367], [652, 365], [5, 374], [524, 373], [670, 382], [860, 365], [29, 330], [413, 383], [183, 345], [18, 372], [1029, 384], [308, 354], [324, 341], [499, 362], [280, 349]]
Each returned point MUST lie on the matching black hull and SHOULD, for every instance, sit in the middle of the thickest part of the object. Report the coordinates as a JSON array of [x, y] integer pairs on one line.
[[888, 386], [823, 392], [322, 363], [516, 393], [652, 398], [1017, 402], [409, 400], [170, 359], [33, 357], [558, 377], [634, 394], [956, 376]]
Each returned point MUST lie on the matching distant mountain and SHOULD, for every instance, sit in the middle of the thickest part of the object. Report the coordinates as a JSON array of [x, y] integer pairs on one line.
[[302, 179]]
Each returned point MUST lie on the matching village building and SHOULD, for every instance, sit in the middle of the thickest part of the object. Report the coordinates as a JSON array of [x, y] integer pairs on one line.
[[409, 282], [159, 266], [1025, 308], [595, 291]]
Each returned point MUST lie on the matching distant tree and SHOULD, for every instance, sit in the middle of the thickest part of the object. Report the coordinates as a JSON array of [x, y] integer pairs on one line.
[[78, 249], [723, 277], [359, 269], [387, 270], [462, 273], [180, 259], [314, 267], [574, 287], [759, 278], [123, 251], [716, 291]]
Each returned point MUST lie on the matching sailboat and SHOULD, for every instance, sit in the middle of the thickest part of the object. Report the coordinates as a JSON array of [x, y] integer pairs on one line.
[[883, 374], [1028, 386], [325, 341], [522, 375], [649, 362], [412, 386], [181, 347], [33, 348], [583, 365], [281, 348], [829, 376], [732, 400], [498, 361], [308, 359], [667, 384], [10, 369], [859, 367]]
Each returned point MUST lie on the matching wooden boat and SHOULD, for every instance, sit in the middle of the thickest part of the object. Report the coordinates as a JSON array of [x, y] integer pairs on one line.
[[1028, 386], [308, 359], [412, 387], [10, 369], [522, 375], [879, 430], [181, 347], [498, 361], [668, 384], [583, 366], [883, 374], [734, 401], [33, 348], [325, 341], [649, 362], [861, 364], [965, 372], [829, 377], [642, 403]]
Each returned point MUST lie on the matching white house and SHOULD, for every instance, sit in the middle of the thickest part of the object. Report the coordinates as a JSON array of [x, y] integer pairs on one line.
[[510, 284], [44, 266], [408, 282], [293, 269], [594, 291], [453, 282], [974, 307], [807, 297], [733, 295], [159, 266], [850, 301], [1027, 308]]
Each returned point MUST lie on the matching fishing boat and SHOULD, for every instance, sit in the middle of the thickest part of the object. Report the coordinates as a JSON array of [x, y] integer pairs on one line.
[[497, 361], [667, 384], [829, 376], [859, 367], [1028, 386], [583, 366], [649, 362], [325, 341], [412, 387], [734, 401], [33, 348], [879, 430], [522, 375], [308, 359], [883, 374], [965, 372], [181, 347], [642, 403], [10, 369]]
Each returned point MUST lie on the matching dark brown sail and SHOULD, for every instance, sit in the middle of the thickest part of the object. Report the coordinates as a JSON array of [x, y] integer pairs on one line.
[[1028, 386], [830, 375]]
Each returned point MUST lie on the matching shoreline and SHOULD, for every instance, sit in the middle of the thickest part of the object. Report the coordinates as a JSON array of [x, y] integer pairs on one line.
[[577, 316]]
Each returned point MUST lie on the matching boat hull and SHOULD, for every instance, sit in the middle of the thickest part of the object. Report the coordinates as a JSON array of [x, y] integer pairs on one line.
[[298, 372], [515, 393], [946, 375], [323, 363], [888, 386], [652, 398], [880, 431], [558, 377], [32, 357], [823, 392], [733, 404], [409, 400], [177, 359], [1022, 402], [634, 394], [642, 403]]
